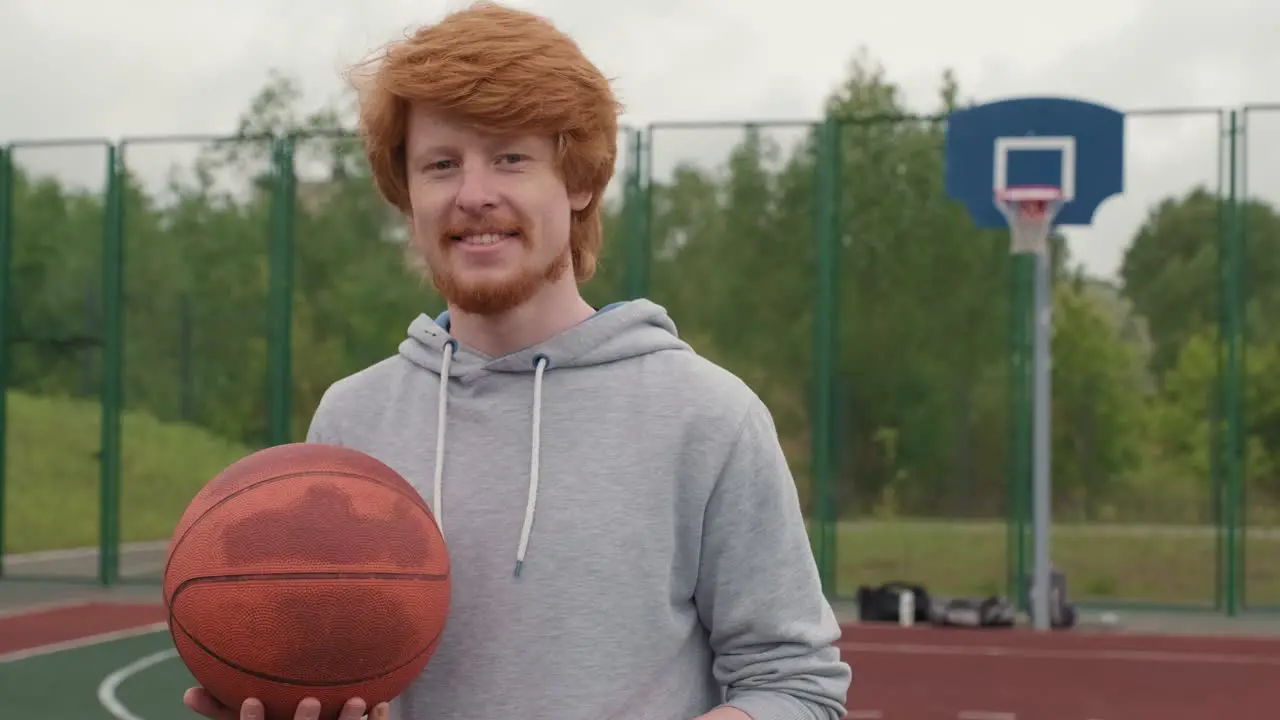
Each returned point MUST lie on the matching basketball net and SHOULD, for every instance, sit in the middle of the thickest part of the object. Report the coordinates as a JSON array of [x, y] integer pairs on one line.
[[1030, 212]]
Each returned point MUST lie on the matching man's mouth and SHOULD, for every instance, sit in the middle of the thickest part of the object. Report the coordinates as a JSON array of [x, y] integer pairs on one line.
[[485, 238]]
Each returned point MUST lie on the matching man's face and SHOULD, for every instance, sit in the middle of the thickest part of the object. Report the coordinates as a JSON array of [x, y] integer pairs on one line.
[[490, 213]]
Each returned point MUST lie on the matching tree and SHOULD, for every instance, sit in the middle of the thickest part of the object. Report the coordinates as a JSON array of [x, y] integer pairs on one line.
[[924, 316], [1172, 270]]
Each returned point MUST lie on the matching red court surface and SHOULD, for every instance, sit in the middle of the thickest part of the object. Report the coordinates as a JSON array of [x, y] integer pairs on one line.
[[924, 673], [953, 674], [73, 623]]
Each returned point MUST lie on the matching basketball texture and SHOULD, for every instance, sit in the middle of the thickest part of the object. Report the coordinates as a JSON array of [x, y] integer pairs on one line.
[[306, 570]]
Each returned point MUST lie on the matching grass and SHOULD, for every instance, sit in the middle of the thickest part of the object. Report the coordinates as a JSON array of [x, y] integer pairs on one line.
[[51, 479], [1103, 562], [51, 501]]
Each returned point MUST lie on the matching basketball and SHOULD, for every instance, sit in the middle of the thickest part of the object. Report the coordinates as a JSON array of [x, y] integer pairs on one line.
[[306, 570]]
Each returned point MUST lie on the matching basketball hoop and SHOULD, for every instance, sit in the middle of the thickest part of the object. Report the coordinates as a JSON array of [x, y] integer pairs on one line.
[[1030, 211]]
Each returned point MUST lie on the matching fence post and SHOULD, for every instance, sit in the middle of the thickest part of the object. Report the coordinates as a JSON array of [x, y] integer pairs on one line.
[[1216, 392], [826, 189], [1231, 338], [635, 213], [6, 255], [112, 369], [645, 175], [280, 294], [1240, 165], [631, 209]]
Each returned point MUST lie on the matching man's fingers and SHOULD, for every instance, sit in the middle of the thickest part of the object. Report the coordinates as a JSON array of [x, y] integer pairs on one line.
[[199, 700], [353, 710], [308, 709], [252, 710]]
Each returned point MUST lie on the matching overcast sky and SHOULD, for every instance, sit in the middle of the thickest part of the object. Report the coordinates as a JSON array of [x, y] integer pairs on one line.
[[76, 68]]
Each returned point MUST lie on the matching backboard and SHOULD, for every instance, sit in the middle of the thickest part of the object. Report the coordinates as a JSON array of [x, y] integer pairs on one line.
[[1074, 145]]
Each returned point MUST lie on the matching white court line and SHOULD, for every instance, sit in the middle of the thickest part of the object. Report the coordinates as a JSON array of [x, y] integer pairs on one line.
[[107, 688], [1043, 654], [984, 715], [44, 607], [85, 641]]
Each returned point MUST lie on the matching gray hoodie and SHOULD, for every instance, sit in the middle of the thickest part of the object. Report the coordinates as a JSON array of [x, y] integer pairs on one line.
[[624, 533]]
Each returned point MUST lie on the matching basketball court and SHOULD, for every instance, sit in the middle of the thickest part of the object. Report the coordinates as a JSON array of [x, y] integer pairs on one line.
[[1026, 164], [91, 660], [63, 663]]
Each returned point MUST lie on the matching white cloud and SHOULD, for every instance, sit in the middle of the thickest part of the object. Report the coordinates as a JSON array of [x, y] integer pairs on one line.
[[80, 68]]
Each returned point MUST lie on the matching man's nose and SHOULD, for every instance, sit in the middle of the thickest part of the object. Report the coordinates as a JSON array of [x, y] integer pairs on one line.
[[477, 193]]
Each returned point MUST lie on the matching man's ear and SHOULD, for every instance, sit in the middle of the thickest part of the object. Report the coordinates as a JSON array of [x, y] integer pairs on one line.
[[580, 200]]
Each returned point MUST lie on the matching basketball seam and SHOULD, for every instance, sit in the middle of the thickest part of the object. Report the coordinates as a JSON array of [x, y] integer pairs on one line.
[[326, 575], [416, 498], [174, 624]]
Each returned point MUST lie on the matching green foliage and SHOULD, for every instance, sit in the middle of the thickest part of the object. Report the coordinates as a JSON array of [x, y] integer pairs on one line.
[[924, 310], [1171, 274], [51, 487], [1098, 415]]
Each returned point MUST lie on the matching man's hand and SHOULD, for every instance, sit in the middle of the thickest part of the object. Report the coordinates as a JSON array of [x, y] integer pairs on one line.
[[200, 701]]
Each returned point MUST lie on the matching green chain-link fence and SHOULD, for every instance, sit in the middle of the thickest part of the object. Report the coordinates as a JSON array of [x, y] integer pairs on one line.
[[169, 304]]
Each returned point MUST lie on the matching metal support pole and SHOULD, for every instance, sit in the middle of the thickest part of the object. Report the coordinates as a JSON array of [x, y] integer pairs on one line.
[[825, 351], [280, 288], [1041, 486], [1031, 223], [113, 260], [6, 298]]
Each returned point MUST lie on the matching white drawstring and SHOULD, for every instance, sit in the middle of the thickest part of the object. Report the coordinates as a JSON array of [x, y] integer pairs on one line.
[[540, 366], [441, 414]]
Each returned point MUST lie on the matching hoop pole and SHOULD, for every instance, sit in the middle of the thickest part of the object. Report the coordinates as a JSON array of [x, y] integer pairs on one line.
[[1020, 411], [1030, 222], [1041, 482]]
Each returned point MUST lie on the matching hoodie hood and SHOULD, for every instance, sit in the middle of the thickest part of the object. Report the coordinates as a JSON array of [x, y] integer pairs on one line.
[[618, 332]]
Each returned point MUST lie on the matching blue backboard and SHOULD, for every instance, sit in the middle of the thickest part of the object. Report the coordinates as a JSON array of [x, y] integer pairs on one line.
[[1073, 145]]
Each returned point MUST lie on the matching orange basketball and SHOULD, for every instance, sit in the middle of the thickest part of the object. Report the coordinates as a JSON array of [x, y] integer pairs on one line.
[[306, 570]]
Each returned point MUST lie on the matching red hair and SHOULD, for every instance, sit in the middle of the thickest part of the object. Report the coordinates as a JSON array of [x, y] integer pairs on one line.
[[508, 71]]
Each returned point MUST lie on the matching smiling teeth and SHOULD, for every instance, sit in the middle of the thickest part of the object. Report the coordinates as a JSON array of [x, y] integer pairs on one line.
[[487, 239]]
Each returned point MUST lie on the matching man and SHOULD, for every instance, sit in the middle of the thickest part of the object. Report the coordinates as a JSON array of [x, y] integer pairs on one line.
[[625, 537]]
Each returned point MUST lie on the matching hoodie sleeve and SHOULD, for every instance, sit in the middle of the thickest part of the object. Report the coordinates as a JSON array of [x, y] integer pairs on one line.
[[758, 591], [324, 422]]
